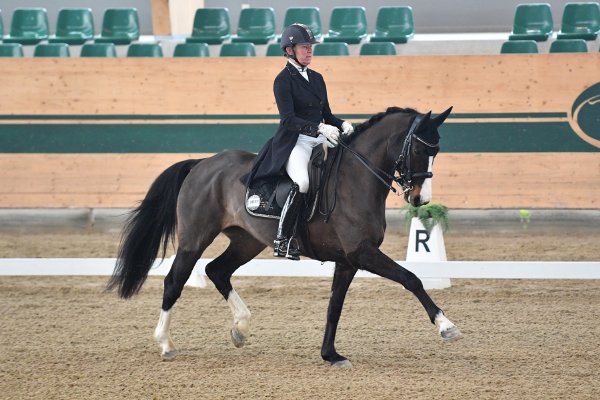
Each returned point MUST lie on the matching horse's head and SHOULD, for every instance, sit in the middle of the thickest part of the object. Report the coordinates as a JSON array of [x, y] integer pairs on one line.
[[415, 162]]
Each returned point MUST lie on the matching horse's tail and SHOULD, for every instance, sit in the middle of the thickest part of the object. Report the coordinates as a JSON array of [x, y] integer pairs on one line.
[[151, 223]]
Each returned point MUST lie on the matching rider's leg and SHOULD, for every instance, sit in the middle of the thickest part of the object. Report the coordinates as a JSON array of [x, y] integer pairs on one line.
[[297, 164], [297, 169], [287, 225]]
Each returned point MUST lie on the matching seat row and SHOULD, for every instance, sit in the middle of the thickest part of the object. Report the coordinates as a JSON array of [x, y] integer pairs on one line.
[[211, 25], [188, 50], [393, 24], [534, 22], [558, 46], [29, 26], [249, 49], [346, 24], [257, 25]]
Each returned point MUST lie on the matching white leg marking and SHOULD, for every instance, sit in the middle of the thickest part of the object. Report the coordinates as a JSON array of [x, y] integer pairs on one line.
[[241, 318], [426, 191], [162, 336], [448, 331]]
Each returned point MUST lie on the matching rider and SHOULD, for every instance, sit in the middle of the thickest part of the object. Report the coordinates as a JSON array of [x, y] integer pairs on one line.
[[306, 122]]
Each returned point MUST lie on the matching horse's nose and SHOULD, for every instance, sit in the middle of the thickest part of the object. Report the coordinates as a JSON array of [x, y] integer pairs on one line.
[[417, 201]]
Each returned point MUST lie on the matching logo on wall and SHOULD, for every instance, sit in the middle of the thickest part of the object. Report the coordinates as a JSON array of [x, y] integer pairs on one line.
[[584, 116]]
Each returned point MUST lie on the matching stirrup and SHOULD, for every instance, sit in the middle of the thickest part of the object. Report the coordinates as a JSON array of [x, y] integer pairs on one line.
[[283, 249]]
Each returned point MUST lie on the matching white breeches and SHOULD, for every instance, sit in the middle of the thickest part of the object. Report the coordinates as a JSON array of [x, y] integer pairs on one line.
[[297, 164]]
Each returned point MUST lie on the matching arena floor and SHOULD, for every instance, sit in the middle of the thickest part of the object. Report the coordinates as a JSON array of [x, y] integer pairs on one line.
[[66, 338]]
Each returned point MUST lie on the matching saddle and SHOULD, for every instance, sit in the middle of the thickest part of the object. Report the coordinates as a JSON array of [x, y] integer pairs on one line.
[[265, 198]]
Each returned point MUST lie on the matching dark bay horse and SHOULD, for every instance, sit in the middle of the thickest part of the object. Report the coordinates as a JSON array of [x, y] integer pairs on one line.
[[201, 198]]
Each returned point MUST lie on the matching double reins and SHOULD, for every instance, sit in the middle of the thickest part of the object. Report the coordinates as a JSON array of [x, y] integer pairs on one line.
[[403, 161], [401, 165]]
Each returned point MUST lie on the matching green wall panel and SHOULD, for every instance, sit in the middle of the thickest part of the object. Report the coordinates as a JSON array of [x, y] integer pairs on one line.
[[184, 134]]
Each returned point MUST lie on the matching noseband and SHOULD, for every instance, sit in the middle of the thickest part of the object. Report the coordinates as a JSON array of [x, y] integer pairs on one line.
[[402, 163]]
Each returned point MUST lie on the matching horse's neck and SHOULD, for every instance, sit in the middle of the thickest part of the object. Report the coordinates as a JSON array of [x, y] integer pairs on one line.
[[376, 144], [357, 179]]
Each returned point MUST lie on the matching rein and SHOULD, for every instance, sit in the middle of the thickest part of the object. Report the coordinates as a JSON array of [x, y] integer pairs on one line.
[[406, 175], [401, 165]]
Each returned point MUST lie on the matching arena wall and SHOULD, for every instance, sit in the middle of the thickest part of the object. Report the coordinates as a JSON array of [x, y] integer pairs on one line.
[[95, 132]]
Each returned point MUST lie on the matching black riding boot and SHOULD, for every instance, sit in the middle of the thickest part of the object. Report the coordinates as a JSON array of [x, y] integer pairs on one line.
[[287, 225]]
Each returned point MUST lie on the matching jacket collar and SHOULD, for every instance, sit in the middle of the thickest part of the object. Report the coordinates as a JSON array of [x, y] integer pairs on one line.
[[293, 70], [298, 67]]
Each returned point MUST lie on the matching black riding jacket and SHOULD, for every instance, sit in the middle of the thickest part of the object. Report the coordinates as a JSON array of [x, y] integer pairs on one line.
[[302, 106]]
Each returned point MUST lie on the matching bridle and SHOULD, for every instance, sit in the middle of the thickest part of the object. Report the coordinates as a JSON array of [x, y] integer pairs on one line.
[[402, 165]]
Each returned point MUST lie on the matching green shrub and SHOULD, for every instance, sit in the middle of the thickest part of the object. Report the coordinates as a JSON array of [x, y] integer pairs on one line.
[[429, 214]]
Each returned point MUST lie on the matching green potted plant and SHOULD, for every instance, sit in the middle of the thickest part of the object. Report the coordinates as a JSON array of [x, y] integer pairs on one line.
[[429, 215]]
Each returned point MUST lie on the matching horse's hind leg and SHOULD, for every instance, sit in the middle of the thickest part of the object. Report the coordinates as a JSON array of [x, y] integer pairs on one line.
[[174, 281], [242, 248], [191, 246]]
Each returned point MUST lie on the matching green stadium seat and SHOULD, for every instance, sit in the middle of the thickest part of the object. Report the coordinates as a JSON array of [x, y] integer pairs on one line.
[[144, 50], [568, 46], [28, 26], [378, 49], [98, 50], [256, 25], [532, 22], [119, 26], [274, 50], [519, 46], [73, 26], [211, 26], [331, 49], [52, 50], [309, 16], [238, 50], [347, 24], [191, 50], [393, 24], [1, 26], [11, 50], [580, 21]]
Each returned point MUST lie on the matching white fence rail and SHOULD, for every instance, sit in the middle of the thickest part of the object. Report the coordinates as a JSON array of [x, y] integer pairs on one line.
[[310, 268]]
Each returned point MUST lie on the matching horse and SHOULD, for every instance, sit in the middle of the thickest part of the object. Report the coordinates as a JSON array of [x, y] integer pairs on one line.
[[201, 198]]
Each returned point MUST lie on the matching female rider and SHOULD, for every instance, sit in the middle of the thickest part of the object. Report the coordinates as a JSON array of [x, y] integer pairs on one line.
[[306, 122]]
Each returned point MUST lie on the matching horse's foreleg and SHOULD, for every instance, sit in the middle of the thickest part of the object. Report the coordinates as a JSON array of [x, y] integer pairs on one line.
[[242, 249], [374, 261], [174, 281], [342, 278]]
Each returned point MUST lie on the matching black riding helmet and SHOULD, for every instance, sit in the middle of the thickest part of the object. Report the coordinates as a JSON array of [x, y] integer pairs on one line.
[[297, 34]]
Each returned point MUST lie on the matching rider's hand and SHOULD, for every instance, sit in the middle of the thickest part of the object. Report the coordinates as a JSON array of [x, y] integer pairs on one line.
[[330, 132], [328, 143], [347, 128]]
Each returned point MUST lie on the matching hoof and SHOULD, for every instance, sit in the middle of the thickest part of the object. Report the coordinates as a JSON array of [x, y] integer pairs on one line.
[[344, 364], [169, 355], [451, 334], [237, 338]]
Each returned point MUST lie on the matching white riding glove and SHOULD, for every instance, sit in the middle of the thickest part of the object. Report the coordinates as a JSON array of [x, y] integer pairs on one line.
[[347, 128], [330, 132]]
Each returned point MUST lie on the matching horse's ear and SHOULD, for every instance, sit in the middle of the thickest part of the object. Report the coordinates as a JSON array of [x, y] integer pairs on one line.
[[439, 120]]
